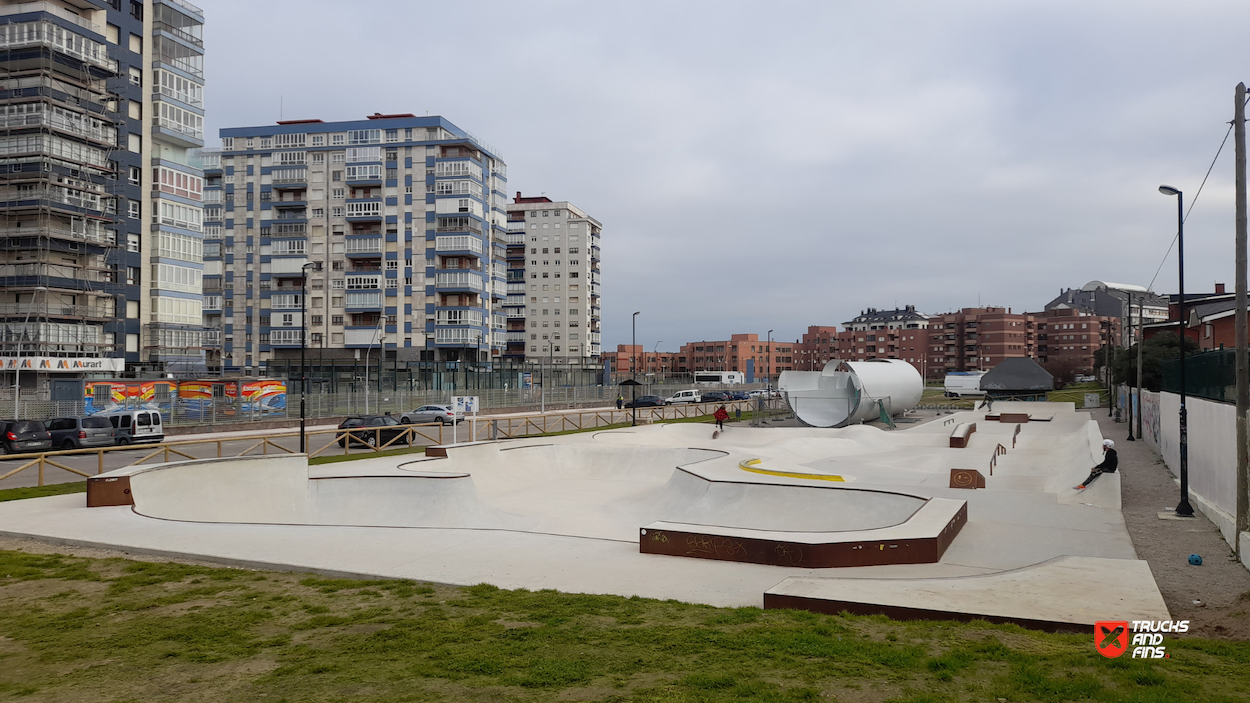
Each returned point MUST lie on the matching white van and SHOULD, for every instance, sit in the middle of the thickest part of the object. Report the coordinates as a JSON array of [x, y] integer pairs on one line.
[[134, 426], [684, 397], [964, 383]]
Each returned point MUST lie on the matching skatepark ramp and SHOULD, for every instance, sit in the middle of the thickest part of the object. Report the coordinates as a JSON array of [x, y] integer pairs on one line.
[[846, 392]]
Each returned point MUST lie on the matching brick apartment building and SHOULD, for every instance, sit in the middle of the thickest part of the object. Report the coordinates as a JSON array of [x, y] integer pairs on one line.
[[973, 338], [648, 362], [746, 353]]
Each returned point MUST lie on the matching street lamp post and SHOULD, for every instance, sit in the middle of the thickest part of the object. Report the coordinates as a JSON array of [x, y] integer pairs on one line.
[[633, 369], [380, 335], [768, 367], [1183, 508], [303, 345], [1129, 351]]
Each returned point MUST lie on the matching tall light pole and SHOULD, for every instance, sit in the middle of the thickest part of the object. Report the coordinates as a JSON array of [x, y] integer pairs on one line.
[[768, 368], [303, 345], [1183, 508], [633, 369], [1129, 351], [655, 352], [378, 332]]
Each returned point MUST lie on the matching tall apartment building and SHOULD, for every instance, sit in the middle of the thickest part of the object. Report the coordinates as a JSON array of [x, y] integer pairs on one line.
[[102, 119], [553, 305], [399, 222]]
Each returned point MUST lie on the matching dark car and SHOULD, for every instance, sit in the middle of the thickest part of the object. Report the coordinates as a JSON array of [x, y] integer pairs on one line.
[[739, 395], [23, 436], [716, 397], [645, 401], [372, 430], [81, 432]]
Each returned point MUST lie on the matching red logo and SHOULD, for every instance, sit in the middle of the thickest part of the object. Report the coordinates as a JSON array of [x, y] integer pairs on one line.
[[1111, 637]]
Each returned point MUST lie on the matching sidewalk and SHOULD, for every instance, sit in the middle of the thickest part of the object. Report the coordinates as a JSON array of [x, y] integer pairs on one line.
[[1222, 584]]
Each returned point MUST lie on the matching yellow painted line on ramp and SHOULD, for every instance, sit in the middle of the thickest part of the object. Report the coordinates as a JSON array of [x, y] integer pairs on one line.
[[751, 465]]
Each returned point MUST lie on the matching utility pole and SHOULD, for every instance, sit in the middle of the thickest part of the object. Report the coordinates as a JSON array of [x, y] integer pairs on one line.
[[1243, 381], [1141, 329], [1128, 351]]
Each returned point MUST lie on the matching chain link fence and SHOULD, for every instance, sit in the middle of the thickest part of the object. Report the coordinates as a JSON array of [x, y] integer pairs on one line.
[[1211, 375], [321, 403]]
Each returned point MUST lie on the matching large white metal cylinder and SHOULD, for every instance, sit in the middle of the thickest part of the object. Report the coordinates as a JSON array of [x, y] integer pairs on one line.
[[845, 392]]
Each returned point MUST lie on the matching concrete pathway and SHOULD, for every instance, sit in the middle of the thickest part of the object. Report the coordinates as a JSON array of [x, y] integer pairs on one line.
[[1221, 584]]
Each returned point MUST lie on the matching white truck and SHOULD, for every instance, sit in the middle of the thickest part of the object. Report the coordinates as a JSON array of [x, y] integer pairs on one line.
[[964, 383]]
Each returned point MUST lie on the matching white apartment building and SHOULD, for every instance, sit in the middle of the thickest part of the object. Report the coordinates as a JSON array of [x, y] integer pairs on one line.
[[553, 304]]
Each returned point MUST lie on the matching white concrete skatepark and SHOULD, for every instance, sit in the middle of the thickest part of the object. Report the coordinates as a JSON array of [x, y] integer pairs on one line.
[[780, 517]]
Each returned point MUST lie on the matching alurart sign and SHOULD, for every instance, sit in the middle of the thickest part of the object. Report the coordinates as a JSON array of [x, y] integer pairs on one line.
[[61, 364]]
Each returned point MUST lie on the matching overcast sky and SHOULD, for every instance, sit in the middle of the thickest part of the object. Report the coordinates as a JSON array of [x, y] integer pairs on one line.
[[783, 164]]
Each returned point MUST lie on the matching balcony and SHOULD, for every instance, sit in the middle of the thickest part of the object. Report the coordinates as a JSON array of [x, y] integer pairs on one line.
[[286, 337], [458, 281], [516, 314], [516, 337], [459, 317], [514, 238], [86, 127], [44, 33], [290, 214], [365, 208], [457, 336], [459, 225], [363, 300], [462, 243], [372, 245]]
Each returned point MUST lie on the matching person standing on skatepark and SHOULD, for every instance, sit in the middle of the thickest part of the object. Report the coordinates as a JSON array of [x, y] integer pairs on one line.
[[1110, 462], [721, 415]]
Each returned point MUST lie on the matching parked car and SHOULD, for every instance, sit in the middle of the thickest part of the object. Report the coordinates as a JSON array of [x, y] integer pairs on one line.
[[683, 397], [81, 432], [371, 430], [431, 413], [738, 395], [763, 393], [646, 401], [716, 397], [134, 426], [24, 436]]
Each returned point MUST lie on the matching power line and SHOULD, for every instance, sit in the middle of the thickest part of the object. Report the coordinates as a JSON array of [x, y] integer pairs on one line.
[[1192, 202]]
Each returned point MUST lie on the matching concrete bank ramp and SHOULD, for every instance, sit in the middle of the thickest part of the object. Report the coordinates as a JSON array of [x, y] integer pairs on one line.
[[691, 499], [280, 490]]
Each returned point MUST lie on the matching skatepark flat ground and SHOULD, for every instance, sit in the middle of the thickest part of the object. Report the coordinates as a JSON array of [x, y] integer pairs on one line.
[[564, 513]]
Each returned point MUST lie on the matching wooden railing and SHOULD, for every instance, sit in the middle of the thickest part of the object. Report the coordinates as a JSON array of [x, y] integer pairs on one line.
[[375, 439]]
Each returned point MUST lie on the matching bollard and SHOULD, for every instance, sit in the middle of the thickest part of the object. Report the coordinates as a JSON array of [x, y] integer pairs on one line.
[[494, 430]]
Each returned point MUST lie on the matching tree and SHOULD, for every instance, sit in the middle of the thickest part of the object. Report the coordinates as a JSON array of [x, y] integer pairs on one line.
[[1064, 369], [1156, 350]]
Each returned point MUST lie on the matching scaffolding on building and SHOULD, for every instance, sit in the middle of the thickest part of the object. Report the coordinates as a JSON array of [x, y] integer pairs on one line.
[[58, 213]]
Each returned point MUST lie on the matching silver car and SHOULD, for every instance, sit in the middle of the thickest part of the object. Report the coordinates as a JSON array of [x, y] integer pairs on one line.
[[431, 413], [80, 432]]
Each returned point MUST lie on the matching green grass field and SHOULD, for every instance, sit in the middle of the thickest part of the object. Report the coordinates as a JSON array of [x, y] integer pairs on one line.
[[76, 629]]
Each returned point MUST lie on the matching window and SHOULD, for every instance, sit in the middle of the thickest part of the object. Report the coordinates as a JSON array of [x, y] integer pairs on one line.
[[336, 319], [133, 209], [392, 265], [392, 283], [336, 175]]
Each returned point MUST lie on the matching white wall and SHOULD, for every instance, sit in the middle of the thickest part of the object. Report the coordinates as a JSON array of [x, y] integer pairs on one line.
[[1212, 446]]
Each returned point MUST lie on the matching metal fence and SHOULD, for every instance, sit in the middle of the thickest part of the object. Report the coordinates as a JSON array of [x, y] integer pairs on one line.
[[1211, 375], [320, 403]]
